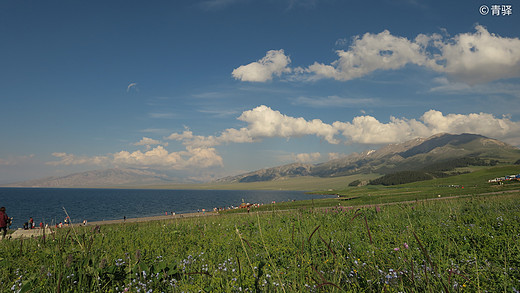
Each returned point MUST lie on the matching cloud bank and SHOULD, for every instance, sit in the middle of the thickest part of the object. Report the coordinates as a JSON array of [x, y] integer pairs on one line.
[[263, 122], [472, 58]]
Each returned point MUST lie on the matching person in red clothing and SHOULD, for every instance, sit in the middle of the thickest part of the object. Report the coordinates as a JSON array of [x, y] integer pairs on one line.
[[4, 221]]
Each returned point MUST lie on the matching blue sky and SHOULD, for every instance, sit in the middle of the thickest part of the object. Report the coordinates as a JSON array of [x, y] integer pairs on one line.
[[204, 89]]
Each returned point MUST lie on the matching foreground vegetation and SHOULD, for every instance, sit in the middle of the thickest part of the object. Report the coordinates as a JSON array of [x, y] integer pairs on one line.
[[454, 245]]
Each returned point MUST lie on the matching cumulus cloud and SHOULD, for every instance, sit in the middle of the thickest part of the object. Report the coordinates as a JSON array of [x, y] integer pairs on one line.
[[480, 57], [306, 157], [149, 142], [275, 62], [472, 58], [264, 122], [160, 157], [372, 52], [481, 123], [368, 130], [188, 138]]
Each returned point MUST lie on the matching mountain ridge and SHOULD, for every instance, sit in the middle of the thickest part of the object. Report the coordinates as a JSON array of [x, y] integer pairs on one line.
[[114, 177], [411, 155], [414, 154]]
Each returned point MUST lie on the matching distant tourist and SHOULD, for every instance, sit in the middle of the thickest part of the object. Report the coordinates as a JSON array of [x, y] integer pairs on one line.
[[31, 223], [84, 222], [124, 219], [4, 221]]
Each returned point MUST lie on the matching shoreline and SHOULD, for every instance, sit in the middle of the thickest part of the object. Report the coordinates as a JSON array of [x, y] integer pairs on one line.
[[36, 232], [148, 219]]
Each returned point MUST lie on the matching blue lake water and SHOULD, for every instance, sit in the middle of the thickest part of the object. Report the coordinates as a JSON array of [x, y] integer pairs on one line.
[[46, 204]]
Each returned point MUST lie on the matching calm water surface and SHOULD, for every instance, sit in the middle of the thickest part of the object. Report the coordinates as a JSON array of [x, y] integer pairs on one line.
[[46, 204]]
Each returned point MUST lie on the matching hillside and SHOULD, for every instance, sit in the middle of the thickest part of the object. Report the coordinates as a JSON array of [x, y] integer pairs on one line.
[[421, 154], [99, 178], [412, 155]]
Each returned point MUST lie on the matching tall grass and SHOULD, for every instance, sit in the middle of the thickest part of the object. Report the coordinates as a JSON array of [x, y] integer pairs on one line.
[[468, 244]]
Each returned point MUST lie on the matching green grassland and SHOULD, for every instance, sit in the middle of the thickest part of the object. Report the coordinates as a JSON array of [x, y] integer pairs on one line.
[[308, 183], [370, 239]]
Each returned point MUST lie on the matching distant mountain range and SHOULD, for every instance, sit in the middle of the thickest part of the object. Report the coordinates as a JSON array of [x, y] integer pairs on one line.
[[412, 155], [100, 178]]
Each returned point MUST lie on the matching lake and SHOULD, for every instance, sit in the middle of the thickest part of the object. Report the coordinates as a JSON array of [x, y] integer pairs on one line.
[[46, 204]]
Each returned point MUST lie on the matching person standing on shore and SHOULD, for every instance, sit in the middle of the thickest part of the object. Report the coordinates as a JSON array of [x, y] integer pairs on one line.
[[4, 221]]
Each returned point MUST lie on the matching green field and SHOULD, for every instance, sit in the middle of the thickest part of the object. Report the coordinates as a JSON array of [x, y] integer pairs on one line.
[[465, 244], [308, 183]]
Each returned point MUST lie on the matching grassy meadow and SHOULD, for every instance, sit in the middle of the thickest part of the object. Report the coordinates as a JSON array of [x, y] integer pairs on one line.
[[461, 244]]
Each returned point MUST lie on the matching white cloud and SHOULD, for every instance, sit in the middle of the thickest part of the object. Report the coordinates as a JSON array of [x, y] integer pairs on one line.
[[480, 57], [307, 157], [275, 62], [263, 122], [188, 138], [472, 58], [159, 157], [149, 142], [481, 123], [369, 53], [368, 130]]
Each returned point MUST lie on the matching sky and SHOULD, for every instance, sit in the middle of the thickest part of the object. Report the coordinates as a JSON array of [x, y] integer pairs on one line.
[[203, 89]]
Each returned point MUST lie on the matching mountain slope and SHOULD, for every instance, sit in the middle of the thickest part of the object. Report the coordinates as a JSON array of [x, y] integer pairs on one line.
[[412, 155], [99, 178], [415, 154]]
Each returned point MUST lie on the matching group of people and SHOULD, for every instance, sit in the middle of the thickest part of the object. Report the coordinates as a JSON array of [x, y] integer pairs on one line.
[[6, 221]]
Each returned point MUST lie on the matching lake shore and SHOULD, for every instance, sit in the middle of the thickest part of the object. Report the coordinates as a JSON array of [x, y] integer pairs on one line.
[[151, 218]]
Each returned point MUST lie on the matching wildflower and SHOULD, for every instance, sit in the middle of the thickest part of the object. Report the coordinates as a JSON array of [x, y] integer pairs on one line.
[[406, 245], [396, 249]]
